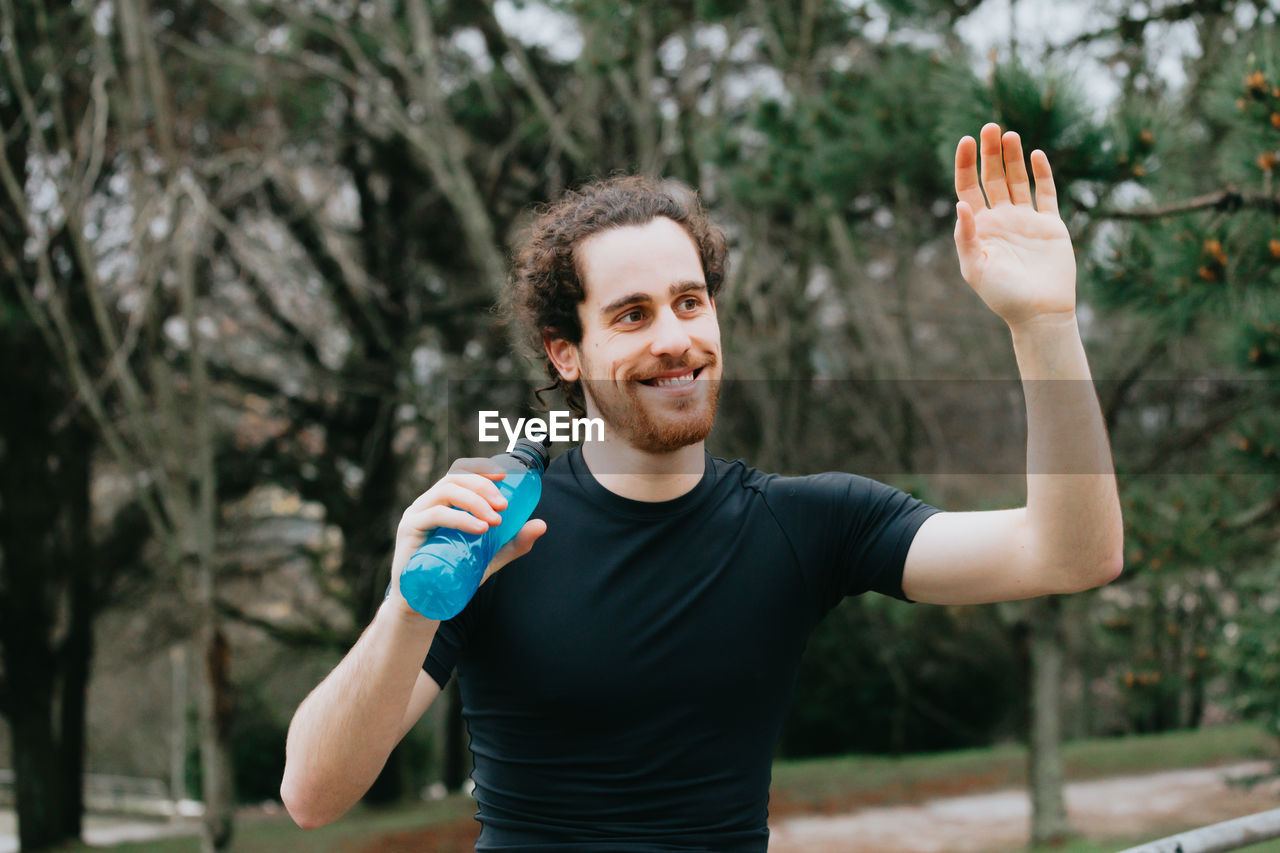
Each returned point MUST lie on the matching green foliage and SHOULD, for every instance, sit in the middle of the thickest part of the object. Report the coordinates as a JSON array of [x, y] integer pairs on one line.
[[1166, 271], [1198, 592], [880, 678], [1245, 104], [1253, 651], [1048, 112], [870, 129]]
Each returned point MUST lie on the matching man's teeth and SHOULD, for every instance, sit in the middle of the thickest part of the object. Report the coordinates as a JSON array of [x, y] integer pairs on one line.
[[674, 381]]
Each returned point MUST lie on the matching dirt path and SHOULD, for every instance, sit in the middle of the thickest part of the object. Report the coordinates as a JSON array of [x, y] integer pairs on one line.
[[1148, 806], [1131, 806]]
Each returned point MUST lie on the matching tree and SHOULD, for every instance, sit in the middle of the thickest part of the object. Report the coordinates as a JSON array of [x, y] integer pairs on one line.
[[1199, 258], [94, 134], [56, 571]]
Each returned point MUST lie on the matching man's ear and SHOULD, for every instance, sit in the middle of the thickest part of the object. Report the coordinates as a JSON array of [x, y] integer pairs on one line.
[[563, 355]]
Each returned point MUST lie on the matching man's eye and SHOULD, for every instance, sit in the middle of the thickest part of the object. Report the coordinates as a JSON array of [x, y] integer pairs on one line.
[[691, 303], [632, 316]]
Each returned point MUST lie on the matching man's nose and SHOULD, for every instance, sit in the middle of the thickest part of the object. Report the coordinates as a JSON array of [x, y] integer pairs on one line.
[[670, 338]]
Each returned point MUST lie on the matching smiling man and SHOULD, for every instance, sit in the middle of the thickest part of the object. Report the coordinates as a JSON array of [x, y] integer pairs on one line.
[[626, 680]]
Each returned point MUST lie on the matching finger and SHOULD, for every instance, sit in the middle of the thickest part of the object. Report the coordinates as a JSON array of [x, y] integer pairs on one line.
[[517, 547], [1015, 170], [467, 500], [479, 465], [993, 165], [1046, 193], [477, 483], [968, 246], [967, 187], [443, 516], [481, 485]]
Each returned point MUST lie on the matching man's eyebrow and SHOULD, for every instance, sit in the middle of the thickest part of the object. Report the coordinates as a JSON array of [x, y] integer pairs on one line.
[[675, 290]]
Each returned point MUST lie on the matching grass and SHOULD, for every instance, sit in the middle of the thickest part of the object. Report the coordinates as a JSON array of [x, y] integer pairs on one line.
[[360, 827], [819, 784], [815, 785]]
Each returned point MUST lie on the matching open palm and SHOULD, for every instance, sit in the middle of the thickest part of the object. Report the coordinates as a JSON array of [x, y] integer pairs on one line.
[[1016, 256]]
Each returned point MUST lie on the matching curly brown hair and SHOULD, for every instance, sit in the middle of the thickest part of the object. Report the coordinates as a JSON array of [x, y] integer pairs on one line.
[[546, 287]]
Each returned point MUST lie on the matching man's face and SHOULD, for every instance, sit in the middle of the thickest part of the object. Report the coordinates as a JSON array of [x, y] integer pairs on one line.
[[649, 360]]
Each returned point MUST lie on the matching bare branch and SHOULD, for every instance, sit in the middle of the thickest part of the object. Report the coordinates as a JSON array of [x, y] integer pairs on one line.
[[1228, 199], [646, 116], [310, 235], [12, 266], [1133, 28], [156, 88], [65, 347], [96, 130], [1224, 413], [291, 635], [136, 404], [1253, 515], [19, 81], [528, 80]]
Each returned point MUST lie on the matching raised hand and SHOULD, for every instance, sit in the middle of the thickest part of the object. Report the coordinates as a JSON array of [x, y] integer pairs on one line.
[[1016, 256]]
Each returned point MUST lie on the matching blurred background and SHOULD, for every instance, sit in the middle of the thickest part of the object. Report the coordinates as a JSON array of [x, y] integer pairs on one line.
[[249, 253]]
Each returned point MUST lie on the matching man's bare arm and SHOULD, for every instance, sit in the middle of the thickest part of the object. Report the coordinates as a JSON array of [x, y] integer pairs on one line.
[[344, 730], [1015, 251], [425, 691], [1069, 537]]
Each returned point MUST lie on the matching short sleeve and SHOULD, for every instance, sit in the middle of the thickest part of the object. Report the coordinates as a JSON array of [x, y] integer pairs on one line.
[[450, 640], [850, 533]]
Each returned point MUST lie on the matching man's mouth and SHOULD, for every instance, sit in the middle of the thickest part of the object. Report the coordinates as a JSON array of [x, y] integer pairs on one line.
[[672, 381]]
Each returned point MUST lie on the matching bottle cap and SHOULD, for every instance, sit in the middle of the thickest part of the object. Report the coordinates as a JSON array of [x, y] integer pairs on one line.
[[534, 454]]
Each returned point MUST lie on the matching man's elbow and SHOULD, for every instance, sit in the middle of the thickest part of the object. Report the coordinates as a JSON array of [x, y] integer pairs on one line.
[[1080, 574], [1108, 570], [1112, 563], [302, 806], [1101, 572]]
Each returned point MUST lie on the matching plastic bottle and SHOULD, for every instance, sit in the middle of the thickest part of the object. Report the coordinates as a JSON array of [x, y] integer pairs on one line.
[[445, 572]]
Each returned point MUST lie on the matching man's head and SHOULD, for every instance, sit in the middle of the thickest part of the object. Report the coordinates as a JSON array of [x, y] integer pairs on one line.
[[616, 285]]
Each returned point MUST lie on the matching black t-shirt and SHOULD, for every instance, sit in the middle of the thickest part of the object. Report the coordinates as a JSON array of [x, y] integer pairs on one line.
[[625, 682]]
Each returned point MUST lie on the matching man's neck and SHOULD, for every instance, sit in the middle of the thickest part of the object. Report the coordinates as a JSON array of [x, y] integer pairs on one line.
[[640, 476]]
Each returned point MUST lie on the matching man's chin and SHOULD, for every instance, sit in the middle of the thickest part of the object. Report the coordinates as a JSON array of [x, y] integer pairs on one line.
[[660, 442], [658, 422], [675, 425]]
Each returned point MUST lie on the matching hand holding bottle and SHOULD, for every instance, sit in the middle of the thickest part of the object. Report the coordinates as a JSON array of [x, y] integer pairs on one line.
[[467, 499]]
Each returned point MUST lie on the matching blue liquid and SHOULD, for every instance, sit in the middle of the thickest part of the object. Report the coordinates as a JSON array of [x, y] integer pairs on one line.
[[445, 572]]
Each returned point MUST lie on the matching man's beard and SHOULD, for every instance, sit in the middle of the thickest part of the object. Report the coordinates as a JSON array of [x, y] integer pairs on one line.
[[658, 425]]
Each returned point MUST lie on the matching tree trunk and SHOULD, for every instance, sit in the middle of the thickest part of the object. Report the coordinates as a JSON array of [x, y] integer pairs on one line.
[[39, 788], [178, 725], [216, 710], [77, 655], [218, 705], [46, 600], [1049, 823]]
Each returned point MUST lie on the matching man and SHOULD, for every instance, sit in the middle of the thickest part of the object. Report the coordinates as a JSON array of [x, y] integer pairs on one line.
[[626, 682]]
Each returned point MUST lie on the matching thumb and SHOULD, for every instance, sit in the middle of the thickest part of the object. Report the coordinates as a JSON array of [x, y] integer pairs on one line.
[[517, 547], [968, 246]]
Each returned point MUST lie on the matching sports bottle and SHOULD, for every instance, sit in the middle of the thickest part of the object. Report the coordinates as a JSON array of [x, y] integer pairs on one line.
[[445, 572]]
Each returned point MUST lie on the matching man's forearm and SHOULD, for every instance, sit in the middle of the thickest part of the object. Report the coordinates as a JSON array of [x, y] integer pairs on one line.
[[344, 730], [1073, 508]]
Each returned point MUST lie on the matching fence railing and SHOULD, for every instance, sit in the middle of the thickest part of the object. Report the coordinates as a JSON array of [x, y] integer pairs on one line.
[[1219, 837]]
